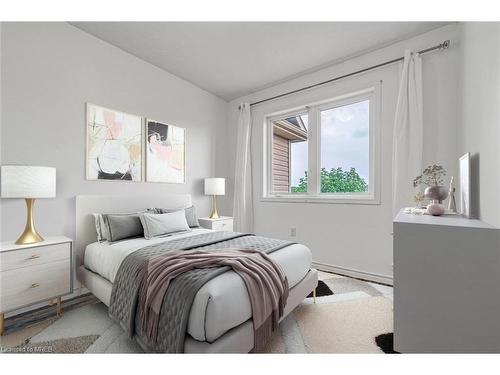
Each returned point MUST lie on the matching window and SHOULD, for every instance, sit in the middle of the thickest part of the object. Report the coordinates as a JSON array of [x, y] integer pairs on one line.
[[345, 148], [289, 152], [324, 151]]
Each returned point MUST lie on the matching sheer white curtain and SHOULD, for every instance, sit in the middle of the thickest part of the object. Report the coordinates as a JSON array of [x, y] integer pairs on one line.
[[407, 135], [243, 200]]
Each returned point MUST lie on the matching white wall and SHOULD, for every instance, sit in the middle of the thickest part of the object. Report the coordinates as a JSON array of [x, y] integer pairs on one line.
[[480, 115], [353, 237], [49, 71]]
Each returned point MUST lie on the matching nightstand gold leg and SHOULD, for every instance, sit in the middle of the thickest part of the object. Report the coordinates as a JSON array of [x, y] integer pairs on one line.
[[1, 323], [58, 307], [314, 295]]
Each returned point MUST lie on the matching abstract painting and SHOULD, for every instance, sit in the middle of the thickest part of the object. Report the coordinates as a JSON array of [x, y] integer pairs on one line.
[[114, 145], [165, 153]]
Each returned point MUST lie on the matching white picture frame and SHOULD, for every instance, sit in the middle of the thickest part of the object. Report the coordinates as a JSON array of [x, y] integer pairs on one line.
[[166, 156], [465, 185], [114, 145]]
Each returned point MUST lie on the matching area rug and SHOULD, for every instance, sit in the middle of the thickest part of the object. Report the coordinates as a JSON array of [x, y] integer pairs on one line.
[[349, 316], [340, 327]]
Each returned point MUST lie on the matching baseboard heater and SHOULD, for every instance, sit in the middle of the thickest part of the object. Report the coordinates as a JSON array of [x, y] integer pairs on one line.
[[369, 276]]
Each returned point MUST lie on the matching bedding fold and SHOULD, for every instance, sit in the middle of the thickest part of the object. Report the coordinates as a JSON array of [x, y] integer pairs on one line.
[[180, 294], [265, 281]]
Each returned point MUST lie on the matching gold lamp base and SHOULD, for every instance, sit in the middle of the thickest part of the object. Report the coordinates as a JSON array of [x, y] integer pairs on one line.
[[214, 214], [30, 235]]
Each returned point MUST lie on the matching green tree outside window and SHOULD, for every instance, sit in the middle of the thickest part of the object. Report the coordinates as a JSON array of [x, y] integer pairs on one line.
[[335, 181]]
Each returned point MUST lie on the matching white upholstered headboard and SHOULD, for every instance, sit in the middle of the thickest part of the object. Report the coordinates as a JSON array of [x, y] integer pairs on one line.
[[86, 205]]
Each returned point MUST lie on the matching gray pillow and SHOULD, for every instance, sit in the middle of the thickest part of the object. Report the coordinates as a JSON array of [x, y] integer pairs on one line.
[[155, 225], [190, 213], [122, 226], [101, 225]]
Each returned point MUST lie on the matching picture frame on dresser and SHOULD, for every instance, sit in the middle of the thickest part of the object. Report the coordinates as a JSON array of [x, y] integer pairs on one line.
[[35, 273], [465, 185]]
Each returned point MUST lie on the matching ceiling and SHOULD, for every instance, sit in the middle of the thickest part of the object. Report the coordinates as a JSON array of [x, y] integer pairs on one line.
[[231, 59]]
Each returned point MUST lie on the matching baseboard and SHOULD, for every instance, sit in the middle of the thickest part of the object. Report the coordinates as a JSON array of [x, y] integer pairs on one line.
[[369, 276]]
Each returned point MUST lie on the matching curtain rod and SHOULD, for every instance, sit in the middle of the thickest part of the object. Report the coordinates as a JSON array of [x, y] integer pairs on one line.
[[443, 45]]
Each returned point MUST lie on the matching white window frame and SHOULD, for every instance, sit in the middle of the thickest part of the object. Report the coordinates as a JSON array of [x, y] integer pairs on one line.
[[313, 110]]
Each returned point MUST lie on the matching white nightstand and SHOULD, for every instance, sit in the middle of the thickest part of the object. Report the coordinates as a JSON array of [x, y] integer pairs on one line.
[[35, 273], [222, 223]]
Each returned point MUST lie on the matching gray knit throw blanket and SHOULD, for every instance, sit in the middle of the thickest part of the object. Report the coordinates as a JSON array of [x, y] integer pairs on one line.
[[265, 281]]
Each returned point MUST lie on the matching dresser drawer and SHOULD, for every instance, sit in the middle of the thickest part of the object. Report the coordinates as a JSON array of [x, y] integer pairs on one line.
[[33, 284], [33, 256]]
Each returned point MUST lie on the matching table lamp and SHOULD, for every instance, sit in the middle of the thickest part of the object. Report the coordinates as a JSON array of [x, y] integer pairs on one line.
[[28, 182], [213, 187]]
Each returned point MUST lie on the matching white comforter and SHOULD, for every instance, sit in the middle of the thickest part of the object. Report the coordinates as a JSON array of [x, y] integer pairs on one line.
[[223, 302]]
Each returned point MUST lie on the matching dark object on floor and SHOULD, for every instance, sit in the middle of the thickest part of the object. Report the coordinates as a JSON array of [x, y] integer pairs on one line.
[[386, 343], [321, 290]]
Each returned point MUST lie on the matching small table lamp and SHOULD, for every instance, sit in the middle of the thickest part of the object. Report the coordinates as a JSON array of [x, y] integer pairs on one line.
[[28, 182], [213, 187]]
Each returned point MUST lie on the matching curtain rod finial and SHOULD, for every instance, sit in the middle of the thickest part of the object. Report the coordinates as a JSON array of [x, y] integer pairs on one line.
[[446, 44]]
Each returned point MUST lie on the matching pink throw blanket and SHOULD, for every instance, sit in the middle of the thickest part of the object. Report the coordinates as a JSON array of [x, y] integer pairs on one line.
[[266, 284]]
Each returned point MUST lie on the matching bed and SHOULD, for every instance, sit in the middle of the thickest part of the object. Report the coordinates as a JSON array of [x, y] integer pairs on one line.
[[220, 319]]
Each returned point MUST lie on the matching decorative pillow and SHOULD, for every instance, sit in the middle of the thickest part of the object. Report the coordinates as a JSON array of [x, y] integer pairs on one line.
[[97, 222], [102, 228], [160, 224], [190, 213], [123, 226]]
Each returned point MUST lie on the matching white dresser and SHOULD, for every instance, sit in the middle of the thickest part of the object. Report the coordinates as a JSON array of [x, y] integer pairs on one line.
[[221, 223], [35, 273], [446, 285]]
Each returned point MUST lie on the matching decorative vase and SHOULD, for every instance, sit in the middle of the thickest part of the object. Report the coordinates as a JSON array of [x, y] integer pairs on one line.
[[436, 193], [435, 208]]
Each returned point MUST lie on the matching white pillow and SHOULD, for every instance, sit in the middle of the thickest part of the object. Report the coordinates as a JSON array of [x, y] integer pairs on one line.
[[101, 228], [160, 224]]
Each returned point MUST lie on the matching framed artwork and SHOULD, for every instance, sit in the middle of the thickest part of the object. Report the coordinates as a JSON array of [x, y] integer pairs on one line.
[[465, 185], [114, 145], [165, 153]]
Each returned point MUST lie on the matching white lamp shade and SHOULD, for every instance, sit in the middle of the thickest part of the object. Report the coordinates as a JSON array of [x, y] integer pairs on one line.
[[215, 186], [22, 181]]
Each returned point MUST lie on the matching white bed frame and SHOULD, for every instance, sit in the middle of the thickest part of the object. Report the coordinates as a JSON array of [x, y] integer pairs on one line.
[[238, 339]]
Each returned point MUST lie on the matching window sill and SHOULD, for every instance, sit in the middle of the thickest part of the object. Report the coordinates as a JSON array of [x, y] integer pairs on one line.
[[348, 199]]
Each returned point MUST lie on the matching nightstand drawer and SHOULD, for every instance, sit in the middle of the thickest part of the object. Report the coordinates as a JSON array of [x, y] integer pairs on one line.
[[216, 225], [33, 256], [223, 225], [29, 285]]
